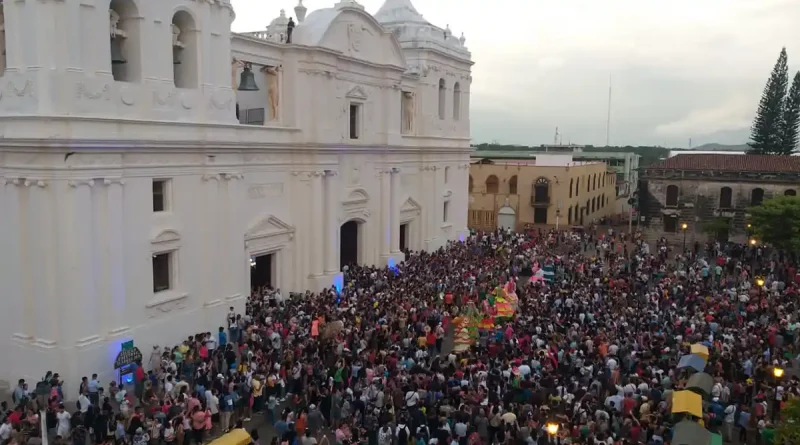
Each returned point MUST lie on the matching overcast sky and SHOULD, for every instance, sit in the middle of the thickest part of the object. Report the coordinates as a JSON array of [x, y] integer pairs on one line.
[[680, 69]]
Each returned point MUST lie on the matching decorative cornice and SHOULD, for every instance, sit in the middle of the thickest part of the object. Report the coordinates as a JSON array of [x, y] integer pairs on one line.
[[110, 181], [463, 166], [316, 174], [78, 182], [208, 177], [25, 182], [231, 176], [330, 173]]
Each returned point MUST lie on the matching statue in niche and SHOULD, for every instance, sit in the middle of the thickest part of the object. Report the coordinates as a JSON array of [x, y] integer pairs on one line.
[[408, 111], [176, 34], [273, 90], [113, 21]]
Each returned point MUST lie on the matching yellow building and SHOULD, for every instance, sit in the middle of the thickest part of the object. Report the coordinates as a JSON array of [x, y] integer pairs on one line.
[[553, 190]]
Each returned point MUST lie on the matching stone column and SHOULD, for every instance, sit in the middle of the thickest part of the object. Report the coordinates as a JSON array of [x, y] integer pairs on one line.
[[395, 210], [15, 288], [332, 226], [116, 258], [235, 274], [386, 216], [42, 263], [317, 247], [83, 305]]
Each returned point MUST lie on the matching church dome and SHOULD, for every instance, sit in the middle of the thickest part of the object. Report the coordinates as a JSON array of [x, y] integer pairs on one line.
[[399, 11], [278, 26]]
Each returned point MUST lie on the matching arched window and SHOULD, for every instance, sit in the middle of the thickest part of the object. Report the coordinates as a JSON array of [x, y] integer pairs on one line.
[[470, 184], [588, 206], [577, 187], [757, 197], [456, 101], [672, 196], [790, 192], [588, 183], [512, 185], [442, 93], [492, 184], [541, 191], [570, 187], [3, 57], [446, 174], [594, 182], [604, 179], [184, 50], [576, 214], [594, 204], [126, 43], [725, 198], [569, 216]]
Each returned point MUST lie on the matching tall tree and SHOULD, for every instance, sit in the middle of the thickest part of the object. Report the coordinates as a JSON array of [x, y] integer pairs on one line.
[[777, 222], [791, 117], [765, 134]]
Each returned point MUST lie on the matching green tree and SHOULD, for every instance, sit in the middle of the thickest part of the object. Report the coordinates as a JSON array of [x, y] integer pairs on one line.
[[791, 117], [777, 222], [716, 227], [765, 135], [788, 430]]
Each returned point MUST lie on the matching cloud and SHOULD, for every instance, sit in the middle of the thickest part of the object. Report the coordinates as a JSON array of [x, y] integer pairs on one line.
[[734, 114]]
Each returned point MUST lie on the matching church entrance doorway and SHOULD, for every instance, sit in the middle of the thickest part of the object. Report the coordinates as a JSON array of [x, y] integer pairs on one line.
[[404, 237], [261, 270], [348, 239]]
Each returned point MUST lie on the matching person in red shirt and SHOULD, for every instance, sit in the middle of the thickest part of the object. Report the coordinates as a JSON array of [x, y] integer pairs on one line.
[[16, 417]]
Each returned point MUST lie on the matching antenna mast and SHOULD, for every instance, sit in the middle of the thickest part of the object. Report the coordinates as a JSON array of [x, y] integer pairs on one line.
[[608, 114], [555, 139]]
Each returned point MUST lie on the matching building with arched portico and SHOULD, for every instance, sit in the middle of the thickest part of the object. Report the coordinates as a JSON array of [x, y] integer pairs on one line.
[[162, 164]]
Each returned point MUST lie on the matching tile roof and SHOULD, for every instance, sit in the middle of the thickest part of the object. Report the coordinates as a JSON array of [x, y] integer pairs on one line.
[[730, 163]]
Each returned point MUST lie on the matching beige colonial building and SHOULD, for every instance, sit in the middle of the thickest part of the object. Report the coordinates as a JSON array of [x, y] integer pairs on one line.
[[552, 191]]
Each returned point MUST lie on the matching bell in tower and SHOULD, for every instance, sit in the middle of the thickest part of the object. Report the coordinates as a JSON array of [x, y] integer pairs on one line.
[[247, 80], [116, 52]]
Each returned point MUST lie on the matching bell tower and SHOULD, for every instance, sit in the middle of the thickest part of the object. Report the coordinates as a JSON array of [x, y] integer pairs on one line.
[[117, 59]]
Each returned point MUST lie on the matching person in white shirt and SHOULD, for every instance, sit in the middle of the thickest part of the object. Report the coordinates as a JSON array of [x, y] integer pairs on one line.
[[63, 426], [5, 430]]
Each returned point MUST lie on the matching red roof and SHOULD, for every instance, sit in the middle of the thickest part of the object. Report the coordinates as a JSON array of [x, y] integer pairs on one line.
[[730, 163]]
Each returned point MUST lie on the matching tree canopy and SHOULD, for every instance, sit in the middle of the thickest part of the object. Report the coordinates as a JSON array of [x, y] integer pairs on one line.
[[777, 222], [775, 126], [788, 430]]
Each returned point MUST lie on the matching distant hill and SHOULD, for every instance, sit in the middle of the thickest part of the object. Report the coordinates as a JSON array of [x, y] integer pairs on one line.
[[721, 147]]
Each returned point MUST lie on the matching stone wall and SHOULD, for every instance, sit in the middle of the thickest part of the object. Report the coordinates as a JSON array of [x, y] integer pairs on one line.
[[698, 203]]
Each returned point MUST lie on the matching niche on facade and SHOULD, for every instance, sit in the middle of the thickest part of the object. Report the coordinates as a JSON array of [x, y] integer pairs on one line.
[[3, 58], [407, 110], [184, 50], [442, 95], [456, 101], [125, 38]]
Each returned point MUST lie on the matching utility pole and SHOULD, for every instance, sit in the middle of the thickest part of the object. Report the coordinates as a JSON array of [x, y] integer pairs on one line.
[[608, 115]]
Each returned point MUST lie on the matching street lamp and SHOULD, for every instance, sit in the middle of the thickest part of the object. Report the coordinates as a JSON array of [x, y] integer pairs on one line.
[[551, 428], [777, 372], [684, 226], [760, 283], [753, 241]]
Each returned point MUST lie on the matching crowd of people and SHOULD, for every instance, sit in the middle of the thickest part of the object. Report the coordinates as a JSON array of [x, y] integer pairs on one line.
[[589, 356]]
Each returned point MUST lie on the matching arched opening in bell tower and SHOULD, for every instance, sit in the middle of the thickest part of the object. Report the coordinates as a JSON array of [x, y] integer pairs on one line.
[[125, 49], [184, 50]]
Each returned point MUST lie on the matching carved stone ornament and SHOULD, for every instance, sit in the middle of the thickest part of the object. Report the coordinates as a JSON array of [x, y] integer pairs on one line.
[[355, 33], [222, 100], [83, 92], [167, 100], [12, 89]]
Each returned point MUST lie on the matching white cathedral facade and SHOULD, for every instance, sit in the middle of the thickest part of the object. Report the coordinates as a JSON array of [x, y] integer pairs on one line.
[[144, 183]]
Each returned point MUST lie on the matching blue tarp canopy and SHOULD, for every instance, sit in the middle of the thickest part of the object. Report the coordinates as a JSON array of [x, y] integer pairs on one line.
[[693, 361]]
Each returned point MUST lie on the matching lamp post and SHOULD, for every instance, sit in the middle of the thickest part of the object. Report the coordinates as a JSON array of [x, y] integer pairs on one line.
[[552, 430], [777, 372], [684, 226]]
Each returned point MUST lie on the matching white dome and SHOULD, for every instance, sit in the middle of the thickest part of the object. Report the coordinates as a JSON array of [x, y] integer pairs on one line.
[[399, 11]]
